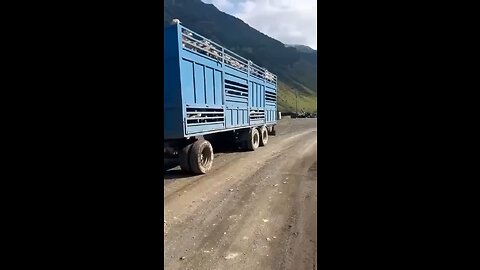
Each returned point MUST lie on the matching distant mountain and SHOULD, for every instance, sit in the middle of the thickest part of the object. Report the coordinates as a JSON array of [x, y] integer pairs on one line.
[[295, 67]]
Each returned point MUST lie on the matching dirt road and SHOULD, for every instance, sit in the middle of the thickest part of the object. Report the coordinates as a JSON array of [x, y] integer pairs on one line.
[[254, 210]]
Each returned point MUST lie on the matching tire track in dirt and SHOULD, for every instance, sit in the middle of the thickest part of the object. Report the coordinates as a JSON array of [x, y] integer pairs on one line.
[[228, 175], [172, 185]]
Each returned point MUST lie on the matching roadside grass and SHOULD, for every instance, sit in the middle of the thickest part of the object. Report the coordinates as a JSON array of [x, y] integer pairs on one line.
[[286, 100]]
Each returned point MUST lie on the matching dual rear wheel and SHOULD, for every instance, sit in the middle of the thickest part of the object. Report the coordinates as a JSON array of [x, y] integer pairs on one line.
[[254, 138], [197, 157], [263, 136]]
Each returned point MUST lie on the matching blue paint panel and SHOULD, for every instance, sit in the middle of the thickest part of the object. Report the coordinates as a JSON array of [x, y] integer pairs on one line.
[[242, 99], [235, 72], [204, 128], [262, 97], [218, 88], [228, 118], [253, 79], [234, 78], [199, 84], [254, 95], [241, 120], [231, 100], [172, 89], [188, 88], [272, 115], [259, 94], [236, 105], [209, 86], [236, 117], [251, 94], [270, 89]]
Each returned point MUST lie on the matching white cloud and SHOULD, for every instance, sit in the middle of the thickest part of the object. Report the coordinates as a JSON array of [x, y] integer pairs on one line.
[[222, 5], [289, 21]]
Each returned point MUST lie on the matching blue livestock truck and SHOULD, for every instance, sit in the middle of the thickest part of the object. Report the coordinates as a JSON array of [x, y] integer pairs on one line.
[[211, 93]]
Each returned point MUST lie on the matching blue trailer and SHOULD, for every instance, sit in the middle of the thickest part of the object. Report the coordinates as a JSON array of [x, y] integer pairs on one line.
[[211, 93]]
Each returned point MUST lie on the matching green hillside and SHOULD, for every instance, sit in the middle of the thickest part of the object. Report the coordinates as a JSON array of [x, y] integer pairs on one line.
[[296, 69]]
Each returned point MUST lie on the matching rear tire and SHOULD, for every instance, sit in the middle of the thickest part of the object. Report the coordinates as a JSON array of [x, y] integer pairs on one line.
[[183, 158], [253, 139], [201, 157], [263, 136]]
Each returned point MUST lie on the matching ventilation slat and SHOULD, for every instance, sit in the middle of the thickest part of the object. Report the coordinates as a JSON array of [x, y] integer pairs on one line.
[[206, 116]]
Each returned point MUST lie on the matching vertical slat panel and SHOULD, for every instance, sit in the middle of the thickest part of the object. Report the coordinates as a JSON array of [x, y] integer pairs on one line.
[[250, 94], [228, 118], [254, 95], [257, 103], [187, 81], [260, 96], [199, 84], [234, 117], [218, 88], [210, 97], [263, 96]]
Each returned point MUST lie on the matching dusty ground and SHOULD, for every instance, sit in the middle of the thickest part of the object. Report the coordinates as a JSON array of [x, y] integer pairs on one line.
[[254, 210]]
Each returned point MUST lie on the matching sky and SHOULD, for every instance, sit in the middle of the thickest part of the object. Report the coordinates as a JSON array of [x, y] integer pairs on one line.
[[289, 21]]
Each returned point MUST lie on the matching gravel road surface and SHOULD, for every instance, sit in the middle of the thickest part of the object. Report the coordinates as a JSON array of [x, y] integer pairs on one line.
[[253, 210]]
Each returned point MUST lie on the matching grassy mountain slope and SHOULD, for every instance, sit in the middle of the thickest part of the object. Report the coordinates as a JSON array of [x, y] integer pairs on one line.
[[295, 69]]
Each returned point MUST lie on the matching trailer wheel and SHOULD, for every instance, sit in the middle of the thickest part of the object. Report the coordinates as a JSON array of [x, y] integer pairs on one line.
[[183, 158], [201, 157], [253, 140], [263, 136]]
